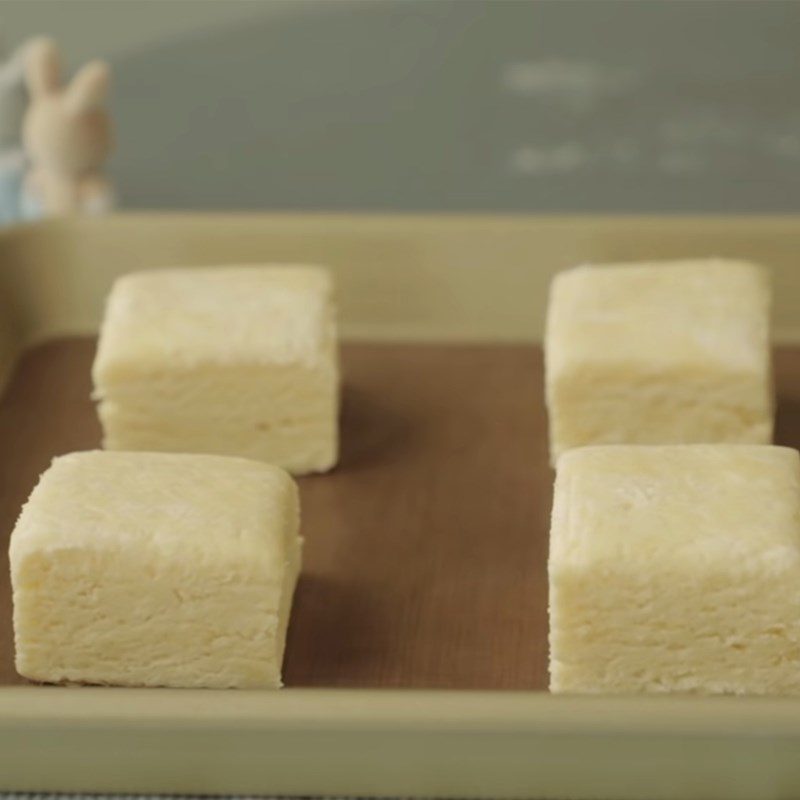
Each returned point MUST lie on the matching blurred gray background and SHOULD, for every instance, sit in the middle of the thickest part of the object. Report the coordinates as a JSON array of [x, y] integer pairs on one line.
[[539, 105]]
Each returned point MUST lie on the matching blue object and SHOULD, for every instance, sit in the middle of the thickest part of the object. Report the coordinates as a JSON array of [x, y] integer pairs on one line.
[[12, 171]]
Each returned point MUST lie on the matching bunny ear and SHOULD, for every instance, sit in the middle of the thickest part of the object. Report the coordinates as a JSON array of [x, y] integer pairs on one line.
[[42, 67], [89, 87]]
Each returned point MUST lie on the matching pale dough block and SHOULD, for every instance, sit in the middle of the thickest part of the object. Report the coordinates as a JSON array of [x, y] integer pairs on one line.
[[659, 353], [155, 569], [233, 360], [676, 568]]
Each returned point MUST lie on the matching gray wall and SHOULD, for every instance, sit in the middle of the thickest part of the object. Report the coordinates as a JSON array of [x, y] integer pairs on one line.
[[590, 105]]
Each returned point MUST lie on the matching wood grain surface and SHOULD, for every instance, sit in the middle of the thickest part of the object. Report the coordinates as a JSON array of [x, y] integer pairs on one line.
[[425, 560]]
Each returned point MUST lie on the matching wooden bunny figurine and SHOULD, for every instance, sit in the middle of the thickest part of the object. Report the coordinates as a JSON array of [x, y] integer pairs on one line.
[[67, 136]]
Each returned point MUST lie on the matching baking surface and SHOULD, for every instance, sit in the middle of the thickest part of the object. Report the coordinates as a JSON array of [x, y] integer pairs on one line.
[[425, 560], [425, 549]]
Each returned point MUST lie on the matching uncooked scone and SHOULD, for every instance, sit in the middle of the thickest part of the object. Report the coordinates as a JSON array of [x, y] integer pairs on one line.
[[676, 568], [235, 361], [155, 569], [659, 353]]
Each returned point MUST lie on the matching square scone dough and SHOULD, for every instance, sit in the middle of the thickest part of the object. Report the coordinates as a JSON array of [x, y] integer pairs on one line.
[[659, 353], [237, 361], [155, 569], [676, 568]]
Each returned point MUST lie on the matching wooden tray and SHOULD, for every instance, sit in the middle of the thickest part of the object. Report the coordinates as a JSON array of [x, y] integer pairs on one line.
[[417, 653]]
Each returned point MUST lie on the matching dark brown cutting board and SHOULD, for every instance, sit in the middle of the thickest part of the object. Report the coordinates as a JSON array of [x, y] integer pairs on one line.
[[426, 548]]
